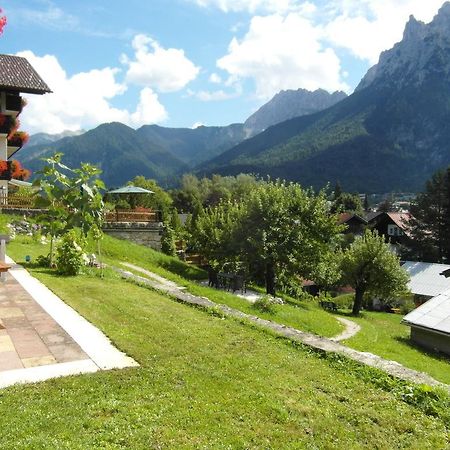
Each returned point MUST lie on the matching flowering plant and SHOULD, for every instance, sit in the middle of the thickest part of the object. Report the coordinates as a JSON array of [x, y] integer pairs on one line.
[[2, 22], [18, 138]]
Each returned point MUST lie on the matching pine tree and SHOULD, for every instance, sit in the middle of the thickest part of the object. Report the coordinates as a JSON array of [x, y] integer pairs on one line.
[[430, 222]]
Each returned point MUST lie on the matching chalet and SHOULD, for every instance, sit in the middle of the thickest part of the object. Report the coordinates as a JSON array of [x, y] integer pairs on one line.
[[392, 225], [16, 76], [430, 324], [354, 224]]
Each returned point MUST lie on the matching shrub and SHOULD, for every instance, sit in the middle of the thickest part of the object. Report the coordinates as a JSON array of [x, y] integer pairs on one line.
[[69, 255], [43, 261], [168, 241], [265, 304]]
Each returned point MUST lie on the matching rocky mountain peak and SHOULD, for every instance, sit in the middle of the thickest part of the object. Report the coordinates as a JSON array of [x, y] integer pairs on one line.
[[288, 104], [423, 50]]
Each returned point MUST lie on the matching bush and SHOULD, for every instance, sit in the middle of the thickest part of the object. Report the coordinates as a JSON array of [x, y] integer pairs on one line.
[[69, 255], [43, 261], [265, 304], [168, 241]]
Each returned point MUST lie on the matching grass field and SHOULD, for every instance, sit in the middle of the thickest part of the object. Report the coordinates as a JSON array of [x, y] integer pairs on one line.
[[204, 381], [384, 335]]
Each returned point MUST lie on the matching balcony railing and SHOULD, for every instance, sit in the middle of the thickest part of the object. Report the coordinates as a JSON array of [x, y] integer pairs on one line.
[[134, 216], [17, 201]]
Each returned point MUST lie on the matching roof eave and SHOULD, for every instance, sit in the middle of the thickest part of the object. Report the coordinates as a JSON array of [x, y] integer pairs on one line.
[[422, 327]]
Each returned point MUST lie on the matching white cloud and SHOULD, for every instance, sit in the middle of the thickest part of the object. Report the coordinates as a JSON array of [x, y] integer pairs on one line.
[[214, 78], [165, 70], [214, 96], [148, 110], [197, 125], [252, 6], [82, 101], [367, 27], [283, 52]]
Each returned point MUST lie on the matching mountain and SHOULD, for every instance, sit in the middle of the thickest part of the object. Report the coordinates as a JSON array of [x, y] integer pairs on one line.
[[289, 104], [45, 138], [391, 134], [158, 152], [193, 146], [116, 149]]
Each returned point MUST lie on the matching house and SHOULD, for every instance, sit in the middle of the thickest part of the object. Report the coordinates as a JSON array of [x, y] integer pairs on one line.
[[355, 224], [430, 324], [392, 225], [426, 279]]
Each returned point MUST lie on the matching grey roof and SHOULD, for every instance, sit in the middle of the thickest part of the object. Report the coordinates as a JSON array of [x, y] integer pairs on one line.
[[433, 315], [17, 74], [426, 278], [130, 190]]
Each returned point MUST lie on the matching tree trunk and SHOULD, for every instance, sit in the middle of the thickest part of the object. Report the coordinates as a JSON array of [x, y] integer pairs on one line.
[[270, 278], [357, 305]]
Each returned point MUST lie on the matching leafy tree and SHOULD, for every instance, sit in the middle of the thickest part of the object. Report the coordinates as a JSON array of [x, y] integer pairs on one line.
[[72, 198], [168, 240], [387, 205], [53, 184], [347, 202], [371, 268], [366, 202], [430, 221], [337, 190], [277, 229], [160, 200]]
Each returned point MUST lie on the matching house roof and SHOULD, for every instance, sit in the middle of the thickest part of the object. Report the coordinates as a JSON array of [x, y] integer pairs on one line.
[[17, 74], [372, 215], [426, 278], [347, 216], [400, 219], [433, 315]]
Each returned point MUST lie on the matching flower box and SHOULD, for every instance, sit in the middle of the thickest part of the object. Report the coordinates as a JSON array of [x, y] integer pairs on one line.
[[18, 139]]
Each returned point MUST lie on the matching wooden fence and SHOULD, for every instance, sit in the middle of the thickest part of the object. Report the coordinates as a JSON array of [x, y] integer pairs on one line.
[[133, 216], [17, 201]]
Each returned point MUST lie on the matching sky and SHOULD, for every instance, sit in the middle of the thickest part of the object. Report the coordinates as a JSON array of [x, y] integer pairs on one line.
[[185, 63]]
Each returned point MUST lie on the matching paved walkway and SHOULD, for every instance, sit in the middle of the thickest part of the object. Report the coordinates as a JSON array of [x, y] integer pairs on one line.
[[41, 337], [369, 359]]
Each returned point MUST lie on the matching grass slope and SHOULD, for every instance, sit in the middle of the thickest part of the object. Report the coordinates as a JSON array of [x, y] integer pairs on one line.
[[384, 335], [204, 382]]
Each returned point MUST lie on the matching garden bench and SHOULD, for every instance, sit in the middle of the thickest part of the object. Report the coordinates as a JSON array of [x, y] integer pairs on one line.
[[329, 306]]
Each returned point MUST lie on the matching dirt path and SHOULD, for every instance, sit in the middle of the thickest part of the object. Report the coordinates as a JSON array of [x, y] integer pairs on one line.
[[351, 328], [392, 367]]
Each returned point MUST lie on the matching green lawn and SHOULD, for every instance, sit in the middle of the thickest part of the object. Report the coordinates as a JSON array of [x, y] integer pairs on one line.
[[384, 335], [204, 382], [306, 316]]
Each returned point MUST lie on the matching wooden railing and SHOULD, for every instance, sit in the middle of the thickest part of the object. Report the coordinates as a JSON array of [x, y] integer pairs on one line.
[[133, 216], [17, 201]]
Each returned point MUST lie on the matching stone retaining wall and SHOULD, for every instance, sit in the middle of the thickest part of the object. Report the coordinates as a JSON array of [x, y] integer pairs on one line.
[[142, 233]]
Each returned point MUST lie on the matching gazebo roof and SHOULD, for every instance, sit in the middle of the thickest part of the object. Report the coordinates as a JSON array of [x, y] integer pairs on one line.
[[130, 190], [18, 75]]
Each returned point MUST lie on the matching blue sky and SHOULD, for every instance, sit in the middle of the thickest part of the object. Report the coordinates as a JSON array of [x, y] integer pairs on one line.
[[181, 63]]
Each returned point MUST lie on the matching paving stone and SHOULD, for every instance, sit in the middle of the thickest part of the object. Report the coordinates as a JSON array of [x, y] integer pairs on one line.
[[67, 352], [27, 342], [38, 361], [16, 322], [6, 344], [10, 312], [10, 361]]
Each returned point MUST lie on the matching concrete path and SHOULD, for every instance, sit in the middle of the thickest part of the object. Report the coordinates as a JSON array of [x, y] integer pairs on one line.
[[351, 328], [328, 345], [41, 337]]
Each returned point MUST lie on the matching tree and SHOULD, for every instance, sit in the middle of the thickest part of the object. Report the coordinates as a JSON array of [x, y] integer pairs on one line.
[[371, 268], [430, 221], [72, 199], [278, 228], [347, 202], [366, 202]]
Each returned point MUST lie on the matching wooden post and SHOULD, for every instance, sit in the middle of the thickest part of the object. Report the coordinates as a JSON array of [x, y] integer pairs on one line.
[[3, 240]]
